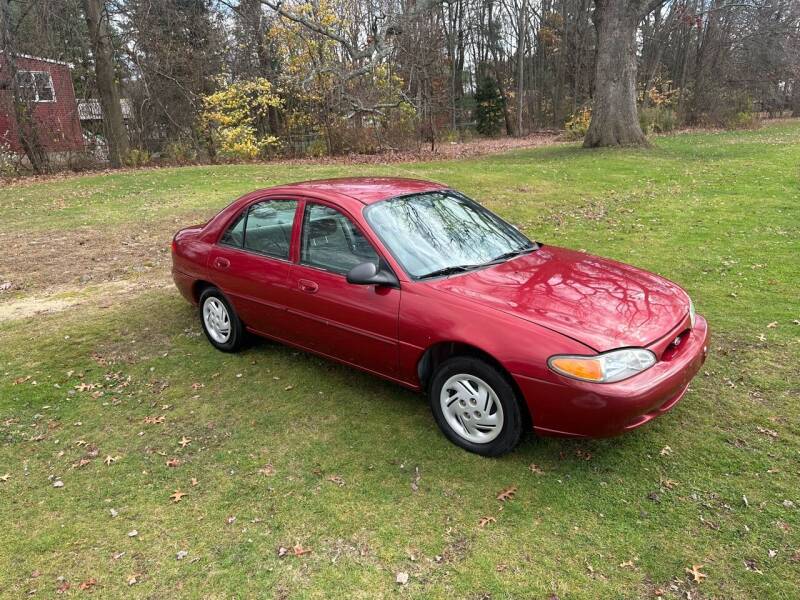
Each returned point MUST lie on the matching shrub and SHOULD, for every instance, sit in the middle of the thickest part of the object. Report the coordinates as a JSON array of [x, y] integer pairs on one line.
[[9, 161], [317, 148], [180, 152], [137, 157], [657, 119], [745, 119], [234, 119], [578, 124]]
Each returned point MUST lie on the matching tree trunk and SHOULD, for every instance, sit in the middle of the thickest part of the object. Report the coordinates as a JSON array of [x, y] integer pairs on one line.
[[615, 121], [521, 29], [117, 136]]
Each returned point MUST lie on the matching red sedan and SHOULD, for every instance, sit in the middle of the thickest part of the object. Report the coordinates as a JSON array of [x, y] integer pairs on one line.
[[414, 282]]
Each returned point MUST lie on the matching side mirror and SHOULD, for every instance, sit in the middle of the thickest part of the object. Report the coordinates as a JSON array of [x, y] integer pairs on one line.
[[368, 273]]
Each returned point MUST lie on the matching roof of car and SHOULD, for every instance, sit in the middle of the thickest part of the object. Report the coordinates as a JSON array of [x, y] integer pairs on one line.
[[368, 189]]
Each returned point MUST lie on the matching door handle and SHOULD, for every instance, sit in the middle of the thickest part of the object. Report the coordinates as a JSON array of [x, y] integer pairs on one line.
[[308, 286], [221, 263]]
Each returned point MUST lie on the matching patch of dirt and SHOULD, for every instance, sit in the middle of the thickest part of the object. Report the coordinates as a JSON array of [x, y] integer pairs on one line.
[[54, 259], [57, 300]]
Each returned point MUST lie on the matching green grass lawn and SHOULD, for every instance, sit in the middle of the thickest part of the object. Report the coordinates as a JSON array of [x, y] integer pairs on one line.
[[286, 449]]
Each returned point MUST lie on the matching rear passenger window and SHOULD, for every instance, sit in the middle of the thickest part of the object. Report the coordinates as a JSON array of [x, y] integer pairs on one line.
[[268, 228], [234, 236]]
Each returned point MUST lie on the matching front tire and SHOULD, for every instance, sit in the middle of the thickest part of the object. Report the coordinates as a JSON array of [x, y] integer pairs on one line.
[[220, 322], [475, 406]]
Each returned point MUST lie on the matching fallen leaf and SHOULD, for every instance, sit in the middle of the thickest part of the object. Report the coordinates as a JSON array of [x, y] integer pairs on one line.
[[267, 470], [666, 451], [535, 469], [507, 494], [627, 564], [63, 587], [751, 565], [110, 459], [231, 520], [401, 578], [484, 521], [81, 463], [5, 477], [770, 432], [184, 441], [772, 325], [697, 575], [282, 551], [88, 583], [298, 550], [174, 462], [58, 483], [177, 495], [181, 554], [194, 482], [133, 533], [156, 420], [584, 454], [337, 480], [415, 481], [133, 579]]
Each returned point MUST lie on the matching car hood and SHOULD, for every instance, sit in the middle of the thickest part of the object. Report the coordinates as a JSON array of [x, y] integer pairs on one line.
[[599, 302]]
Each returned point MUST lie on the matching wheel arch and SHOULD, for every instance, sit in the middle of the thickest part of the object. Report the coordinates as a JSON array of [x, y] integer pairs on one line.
[[439, 352], [199, 287]]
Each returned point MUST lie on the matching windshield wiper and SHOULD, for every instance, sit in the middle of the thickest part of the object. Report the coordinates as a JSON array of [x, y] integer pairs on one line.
[[449, 270], [512, 254]]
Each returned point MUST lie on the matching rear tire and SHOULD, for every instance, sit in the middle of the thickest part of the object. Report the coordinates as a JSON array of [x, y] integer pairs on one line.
[[220, 322], [475, 406]]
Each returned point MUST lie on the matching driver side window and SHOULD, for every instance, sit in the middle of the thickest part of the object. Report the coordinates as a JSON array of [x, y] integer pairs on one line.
[[332, 242]]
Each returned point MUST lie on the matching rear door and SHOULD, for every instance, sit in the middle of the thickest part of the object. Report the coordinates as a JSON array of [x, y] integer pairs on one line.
[[251, 263], [355, 323]]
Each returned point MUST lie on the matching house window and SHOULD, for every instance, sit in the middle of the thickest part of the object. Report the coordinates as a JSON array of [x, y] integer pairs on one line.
[[36, 86]]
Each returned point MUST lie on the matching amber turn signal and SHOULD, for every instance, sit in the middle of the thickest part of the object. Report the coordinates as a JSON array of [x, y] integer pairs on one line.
[[579, 368]]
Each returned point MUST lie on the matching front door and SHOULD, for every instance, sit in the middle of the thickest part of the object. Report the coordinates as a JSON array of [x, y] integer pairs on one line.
[[355, 323]]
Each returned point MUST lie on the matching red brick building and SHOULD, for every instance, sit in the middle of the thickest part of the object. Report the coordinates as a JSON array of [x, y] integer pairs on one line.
[[47, 85]]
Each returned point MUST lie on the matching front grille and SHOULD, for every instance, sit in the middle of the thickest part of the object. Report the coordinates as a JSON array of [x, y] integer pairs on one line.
[[676, 345]]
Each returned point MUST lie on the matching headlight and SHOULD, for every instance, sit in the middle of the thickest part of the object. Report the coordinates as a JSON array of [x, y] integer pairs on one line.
[[604, 368], [692, 315]]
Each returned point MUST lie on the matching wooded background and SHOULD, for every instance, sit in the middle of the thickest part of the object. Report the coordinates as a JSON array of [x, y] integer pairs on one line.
[[245, 79]]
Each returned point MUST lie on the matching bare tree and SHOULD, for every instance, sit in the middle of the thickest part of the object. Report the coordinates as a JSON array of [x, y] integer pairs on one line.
[[23, 104], [103, 54]]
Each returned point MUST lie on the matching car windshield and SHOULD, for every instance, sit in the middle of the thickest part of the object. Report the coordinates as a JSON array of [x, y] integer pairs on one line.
[[443, 232]]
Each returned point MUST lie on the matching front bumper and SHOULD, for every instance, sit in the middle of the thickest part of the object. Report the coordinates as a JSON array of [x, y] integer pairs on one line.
[[581, 409]]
